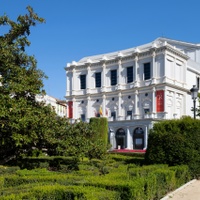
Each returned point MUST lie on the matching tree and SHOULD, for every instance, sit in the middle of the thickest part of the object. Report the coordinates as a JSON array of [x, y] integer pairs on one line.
[[24, 123], [81, 140]]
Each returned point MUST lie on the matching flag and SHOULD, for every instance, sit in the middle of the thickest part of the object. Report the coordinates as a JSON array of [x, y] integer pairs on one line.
[[100, 110]]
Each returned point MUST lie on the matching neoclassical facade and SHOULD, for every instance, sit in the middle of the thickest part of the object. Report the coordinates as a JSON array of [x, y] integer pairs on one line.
[[134, 88], [59, 106]]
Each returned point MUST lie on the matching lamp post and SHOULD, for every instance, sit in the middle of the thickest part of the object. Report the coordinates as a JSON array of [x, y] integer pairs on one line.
[[194, 94]]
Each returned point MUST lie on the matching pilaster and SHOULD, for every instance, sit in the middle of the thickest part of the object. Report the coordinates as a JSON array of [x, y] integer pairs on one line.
[[73, 81], [103, 75], [88, 78], [104, 105], [136, 114], [153, 67], [119, 71], [136, 68], [88, 108]]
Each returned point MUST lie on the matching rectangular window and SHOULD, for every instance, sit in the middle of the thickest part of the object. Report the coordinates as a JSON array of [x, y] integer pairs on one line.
[[146, 110], [147, 71], [98, 79], [129, 74], [83, 117], [83, 81], [198, 79], [113, 115], [113, 77], [129, 112]]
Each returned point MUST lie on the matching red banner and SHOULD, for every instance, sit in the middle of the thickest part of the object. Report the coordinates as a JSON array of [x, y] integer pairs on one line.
[[70, 109], [160, 101]]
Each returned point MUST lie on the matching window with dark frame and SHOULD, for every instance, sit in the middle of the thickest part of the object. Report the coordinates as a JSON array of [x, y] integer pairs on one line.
[[83, 81], [129, 74], [83, 117], [129, 112], [113, 77], [113, 115], [147, 71], [98, 79], [198, 79], [146, 110]]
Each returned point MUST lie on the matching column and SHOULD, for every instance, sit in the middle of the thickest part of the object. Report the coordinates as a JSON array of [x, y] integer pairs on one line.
[[74, 109], [112, 138], [88, 108], [184, 73], [165, 102], [103, 76], [73, 81], [136, 71], [104, 105], [88, 78], [119, 73], [174, 71], [153, 67], [174, 103], [128, 137], [136, 105], [119, 105], [153, 101], [145, 138], [164, 68]]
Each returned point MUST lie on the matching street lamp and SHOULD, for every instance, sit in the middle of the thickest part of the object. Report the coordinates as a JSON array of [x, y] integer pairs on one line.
[[194, 94]]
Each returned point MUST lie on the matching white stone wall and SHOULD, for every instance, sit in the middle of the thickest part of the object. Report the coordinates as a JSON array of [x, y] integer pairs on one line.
[[60, 109], [174, 69]]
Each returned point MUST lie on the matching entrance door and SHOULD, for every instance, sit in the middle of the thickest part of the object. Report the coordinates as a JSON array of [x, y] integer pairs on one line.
[[138, 138], [120, 138]]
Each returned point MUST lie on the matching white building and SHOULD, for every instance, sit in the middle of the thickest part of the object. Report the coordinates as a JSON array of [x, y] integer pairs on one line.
[[134, 88], [59, 106]]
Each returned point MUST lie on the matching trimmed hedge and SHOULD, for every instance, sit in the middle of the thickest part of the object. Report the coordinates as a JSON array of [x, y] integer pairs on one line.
[[175, 142], [123, 183], [60, 192], [100, 125]]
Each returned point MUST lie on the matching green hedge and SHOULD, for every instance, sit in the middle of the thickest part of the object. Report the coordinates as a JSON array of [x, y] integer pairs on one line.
[[60, 192], [175, 142], [146, 182], [100, 125]]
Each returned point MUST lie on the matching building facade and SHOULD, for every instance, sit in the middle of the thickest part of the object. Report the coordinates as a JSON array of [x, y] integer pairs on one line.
[[134, 88], [59, 106]]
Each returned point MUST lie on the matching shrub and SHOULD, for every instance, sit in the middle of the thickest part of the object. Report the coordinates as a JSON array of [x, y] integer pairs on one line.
[[175, 142], [100, 125]]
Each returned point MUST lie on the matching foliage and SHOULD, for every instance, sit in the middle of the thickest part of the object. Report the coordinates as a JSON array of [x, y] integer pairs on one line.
[[26, 126], [100, 125], [93, 182], [175, 142]]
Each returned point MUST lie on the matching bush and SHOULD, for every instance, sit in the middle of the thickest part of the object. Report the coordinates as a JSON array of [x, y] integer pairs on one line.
[[175, 142], [100, 125]]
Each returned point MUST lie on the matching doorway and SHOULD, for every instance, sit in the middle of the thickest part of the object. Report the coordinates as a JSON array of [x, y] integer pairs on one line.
[[138, 138], [120, 138]]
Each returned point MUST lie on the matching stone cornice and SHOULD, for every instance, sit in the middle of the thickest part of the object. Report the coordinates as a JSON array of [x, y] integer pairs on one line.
[[126, 57], [176, 52]]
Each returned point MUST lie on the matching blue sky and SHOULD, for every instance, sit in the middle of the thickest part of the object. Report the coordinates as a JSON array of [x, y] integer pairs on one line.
[[78, 28]]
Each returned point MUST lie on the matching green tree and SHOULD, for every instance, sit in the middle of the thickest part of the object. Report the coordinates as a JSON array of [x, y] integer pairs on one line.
[[79, 140], [24, 123]]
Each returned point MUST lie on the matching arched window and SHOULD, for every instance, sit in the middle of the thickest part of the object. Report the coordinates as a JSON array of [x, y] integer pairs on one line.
[[120, 138], [138, 138]]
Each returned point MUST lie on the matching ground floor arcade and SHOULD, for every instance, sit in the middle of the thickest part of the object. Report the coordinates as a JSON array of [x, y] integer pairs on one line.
[[131, 135]]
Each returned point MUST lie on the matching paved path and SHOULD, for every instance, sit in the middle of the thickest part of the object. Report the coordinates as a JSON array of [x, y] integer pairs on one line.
[[189, 191]]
